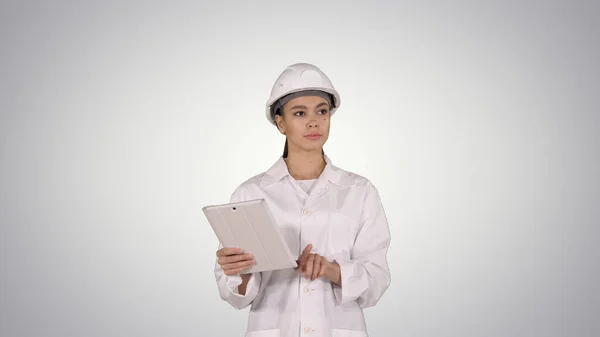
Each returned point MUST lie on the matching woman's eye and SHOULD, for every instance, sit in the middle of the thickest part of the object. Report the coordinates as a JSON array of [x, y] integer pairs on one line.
[[299, 112], [324, 111]]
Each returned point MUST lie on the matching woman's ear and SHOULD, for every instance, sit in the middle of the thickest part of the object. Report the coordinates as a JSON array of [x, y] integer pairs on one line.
[[280, 126]]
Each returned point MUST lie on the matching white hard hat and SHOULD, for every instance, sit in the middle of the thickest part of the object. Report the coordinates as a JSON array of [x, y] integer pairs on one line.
[[300, 77]]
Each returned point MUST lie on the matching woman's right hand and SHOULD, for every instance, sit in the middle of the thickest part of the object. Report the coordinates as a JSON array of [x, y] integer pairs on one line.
[[233, 260]]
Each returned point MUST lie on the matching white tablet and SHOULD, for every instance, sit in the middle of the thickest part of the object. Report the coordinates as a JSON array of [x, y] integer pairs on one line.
[[250, 225]]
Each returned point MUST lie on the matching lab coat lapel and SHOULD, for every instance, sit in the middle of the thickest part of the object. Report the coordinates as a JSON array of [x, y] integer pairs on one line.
[[323, 182]]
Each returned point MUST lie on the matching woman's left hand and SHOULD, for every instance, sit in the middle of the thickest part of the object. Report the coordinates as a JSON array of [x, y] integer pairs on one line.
[[314, 266]]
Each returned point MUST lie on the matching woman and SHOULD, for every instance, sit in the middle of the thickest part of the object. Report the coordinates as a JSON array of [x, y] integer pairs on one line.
[[333, 219]]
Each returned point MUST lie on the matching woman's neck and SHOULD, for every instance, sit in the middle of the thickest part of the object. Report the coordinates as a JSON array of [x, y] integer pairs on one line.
[[304, 166]]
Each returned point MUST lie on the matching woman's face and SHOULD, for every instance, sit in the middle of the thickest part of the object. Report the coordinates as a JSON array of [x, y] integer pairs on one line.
[[305, 122]]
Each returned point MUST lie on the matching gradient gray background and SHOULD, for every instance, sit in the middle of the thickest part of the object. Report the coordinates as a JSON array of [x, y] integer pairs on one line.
[[478, 122]]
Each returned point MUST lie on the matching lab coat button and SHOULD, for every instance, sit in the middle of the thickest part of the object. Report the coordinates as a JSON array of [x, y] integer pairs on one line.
[[306, 211], [308, 330]]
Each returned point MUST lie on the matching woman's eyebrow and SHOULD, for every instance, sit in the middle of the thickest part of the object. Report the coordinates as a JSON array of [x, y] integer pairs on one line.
[[304, 106]]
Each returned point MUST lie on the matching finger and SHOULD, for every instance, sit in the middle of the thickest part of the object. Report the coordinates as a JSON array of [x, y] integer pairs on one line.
[[237, 265], [298, 264], [309, 266], [229, 251], [323, 267], [234, 258], [236, 271], [302, 259], [316, 267], [305, 253], [233, 272]]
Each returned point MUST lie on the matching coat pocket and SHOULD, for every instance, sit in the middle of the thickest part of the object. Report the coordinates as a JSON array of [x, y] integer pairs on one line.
[[348, 333], [264, 333], [341, 235]]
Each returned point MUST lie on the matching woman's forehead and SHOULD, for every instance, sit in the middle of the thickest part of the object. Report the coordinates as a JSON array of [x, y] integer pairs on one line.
[[307, 101]]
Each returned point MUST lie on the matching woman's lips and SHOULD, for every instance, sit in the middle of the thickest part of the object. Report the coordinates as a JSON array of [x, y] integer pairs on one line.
[[313, 136]]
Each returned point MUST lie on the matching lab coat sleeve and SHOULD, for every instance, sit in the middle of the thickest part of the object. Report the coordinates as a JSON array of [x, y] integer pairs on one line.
[[228, 287], [228, 284], [366, 276]]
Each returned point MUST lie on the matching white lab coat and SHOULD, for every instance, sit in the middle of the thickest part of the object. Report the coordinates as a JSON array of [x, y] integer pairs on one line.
[[344, 220]]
